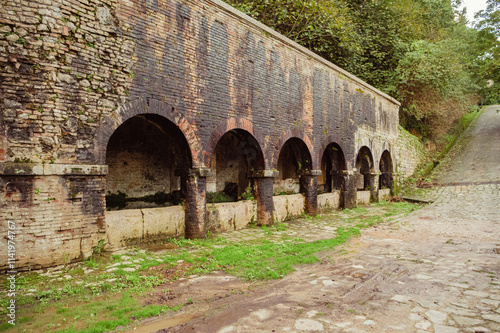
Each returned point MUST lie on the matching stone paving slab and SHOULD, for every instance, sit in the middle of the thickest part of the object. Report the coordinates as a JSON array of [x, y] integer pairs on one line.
[[436, 270]]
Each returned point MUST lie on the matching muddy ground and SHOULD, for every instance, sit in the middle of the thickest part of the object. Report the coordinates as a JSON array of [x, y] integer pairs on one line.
[[436, 270]]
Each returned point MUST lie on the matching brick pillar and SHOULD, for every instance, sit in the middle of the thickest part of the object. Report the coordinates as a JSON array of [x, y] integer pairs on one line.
[[309, 183], [373, 178], [263, 193], [350, 190], [195, 184]]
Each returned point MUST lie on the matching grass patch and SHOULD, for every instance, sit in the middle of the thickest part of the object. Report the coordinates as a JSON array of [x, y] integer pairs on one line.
[[93, 299], [273, 260]]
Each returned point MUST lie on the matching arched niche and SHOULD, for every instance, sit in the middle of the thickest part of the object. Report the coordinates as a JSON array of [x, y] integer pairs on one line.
[[236, 159], [386, 170], [146, 156], [332, 166], [364, 165], [294, 160]]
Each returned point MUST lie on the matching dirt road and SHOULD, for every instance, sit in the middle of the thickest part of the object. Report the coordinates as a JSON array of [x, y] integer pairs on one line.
[[436, 270]]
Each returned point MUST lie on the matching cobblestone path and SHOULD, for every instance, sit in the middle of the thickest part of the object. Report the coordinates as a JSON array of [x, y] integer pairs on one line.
[[436, 270], [476, 156]]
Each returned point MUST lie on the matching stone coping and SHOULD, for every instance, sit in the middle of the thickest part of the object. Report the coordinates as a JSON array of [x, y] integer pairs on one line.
[[36, 169]]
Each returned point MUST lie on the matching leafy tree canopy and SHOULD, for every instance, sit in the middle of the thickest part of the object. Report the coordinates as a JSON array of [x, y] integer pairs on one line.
[[489, 47]]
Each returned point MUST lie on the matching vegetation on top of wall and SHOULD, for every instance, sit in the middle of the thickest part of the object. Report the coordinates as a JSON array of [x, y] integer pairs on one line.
[[247, 195], [218, 197]]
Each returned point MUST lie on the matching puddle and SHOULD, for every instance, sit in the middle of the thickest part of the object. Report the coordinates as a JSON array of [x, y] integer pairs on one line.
[[162, 323]]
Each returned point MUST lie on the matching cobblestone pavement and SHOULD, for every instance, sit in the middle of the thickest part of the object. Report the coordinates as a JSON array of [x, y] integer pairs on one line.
[[475, 158], [435, 270]]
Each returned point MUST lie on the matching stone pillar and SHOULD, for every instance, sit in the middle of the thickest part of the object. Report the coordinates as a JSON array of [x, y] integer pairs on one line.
[[373, 178], [349, 198], [263, 193], [309, 182], [195, 184]]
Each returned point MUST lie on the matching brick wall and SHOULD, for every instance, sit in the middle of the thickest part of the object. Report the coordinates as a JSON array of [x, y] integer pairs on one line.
[[59, 218], [74, 71], [70, 65]]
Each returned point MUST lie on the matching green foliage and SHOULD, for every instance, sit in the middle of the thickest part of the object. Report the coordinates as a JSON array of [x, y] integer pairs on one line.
[[323, 26], [429, 73], [218, 197], [488, 43], [91, 262], [247, 195], [419, 51], [274, 260]]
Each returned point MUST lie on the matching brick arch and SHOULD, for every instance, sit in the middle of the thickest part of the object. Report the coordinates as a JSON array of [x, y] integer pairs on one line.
[[295, 133], [385, 146], [329, 140], [369, 152], [111, 122], [363, 141], [225, 126], [391, 159]]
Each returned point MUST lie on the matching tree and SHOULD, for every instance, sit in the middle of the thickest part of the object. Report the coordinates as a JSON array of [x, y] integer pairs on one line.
[[323, 26], [419, 51], [489, 59], [429, 76]]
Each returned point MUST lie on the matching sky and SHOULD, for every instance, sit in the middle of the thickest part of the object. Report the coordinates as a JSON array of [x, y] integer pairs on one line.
[[473, 6]]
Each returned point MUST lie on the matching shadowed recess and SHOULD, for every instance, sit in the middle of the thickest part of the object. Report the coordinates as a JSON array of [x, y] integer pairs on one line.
[[146, 156]]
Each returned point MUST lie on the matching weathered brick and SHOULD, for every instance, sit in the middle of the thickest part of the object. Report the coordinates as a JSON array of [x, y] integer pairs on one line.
[[202, 66]]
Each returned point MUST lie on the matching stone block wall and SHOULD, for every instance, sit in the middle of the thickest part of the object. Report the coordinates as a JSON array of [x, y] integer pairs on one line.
[[58, 213], [328, 201], [287, 207], [409, 155], [135, 226], [384, 193], [363, 197], [230, 216]]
